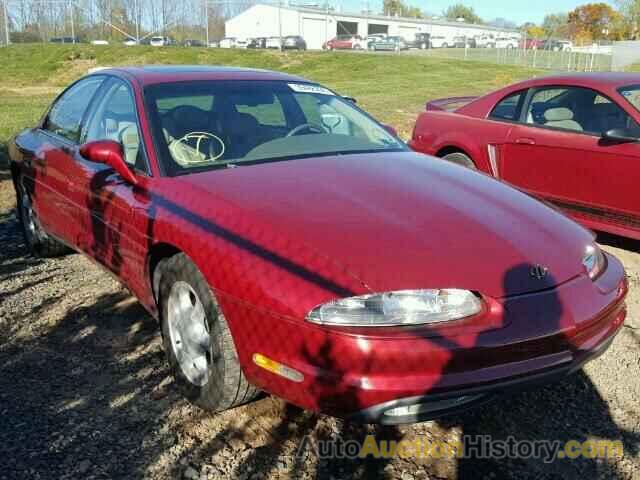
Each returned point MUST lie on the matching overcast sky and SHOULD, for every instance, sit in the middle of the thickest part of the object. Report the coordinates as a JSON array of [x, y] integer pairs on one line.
[[519, 11]]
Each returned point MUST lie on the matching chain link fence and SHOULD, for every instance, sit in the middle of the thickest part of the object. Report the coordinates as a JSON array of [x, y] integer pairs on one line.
[[543, 59]]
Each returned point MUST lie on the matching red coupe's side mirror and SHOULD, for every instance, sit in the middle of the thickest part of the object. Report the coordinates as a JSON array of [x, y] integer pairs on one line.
[[391, 130], [110, 153]]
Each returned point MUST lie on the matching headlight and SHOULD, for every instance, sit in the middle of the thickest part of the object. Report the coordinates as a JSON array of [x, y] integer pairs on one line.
[[594, 261], [405, 307]]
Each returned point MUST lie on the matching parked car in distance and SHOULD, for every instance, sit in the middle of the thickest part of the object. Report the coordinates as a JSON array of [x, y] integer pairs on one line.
[[464, 42], [375, 36], [506, 42], [556, 45], [345, 42], [194, 42], [230, 229], [228, 42], [64, 40], [161, 41], [130, 42], [571, 140], [294, 42], [420, 40], [530, 44], [260, 42], [214, 44], [486, 41], [99, 42], [274, 42], [391, 43], [440, 41]]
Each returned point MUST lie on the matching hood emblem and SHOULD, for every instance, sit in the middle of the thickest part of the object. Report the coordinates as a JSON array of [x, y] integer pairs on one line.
[[539, 272]]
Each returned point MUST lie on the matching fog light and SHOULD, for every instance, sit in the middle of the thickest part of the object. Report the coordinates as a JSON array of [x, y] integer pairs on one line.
[[277, 368], [428, 407]]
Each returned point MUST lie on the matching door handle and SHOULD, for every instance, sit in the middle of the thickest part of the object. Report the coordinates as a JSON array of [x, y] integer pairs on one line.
[[526, 141]]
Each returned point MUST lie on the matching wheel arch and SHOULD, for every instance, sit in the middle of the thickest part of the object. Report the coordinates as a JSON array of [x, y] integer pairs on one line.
[[454, 149], [158, 252]]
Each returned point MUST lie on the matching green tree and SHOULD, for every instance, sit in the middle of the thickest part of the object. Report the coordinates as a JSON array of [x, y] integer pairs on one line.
[[595, 21], [630, 11], [394, 8], [462, 11], [556, 25]]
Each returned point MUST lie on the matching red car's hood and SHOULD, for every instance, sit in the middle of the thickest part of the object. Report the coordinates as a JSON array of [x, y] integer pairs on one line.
[[402, 221]]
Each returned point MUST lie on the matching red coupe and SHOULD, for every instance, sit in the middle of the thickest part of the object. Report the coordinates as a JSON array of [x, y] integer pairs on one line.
[[288, 242], [571, 140]]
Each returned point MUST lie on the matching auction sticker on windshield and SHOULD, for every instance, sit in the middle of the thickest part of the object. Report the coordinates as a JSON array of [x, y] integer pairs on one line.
[[306, 88]]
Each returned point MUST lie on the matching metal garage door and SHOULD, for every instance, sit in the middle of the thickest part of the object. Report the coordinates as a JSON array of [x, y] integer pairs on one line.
[[313, 32]]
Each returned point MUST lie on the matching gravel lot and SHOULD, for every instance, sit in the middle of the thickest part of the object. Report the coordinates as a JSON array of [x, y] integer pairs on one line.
[[85, 393]]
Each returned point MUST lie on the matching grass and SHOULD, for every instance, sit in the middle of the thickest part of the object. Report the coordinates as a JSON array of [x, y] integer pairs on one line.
[[392, 87]]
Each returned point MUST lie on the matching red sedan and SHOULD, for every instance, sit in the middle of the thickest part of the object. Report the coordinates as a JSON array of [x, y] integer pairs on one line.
[[571, 140], [288, 242]]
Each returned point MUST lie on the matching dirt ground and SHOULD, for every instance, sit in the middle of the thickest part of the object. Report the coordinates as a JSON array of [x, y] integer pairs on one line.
[[85, 393]]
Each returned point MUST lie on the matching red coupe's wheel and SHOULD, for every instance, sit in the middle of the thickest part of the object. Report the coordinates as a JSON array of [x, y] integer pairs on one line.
[[461, 159]]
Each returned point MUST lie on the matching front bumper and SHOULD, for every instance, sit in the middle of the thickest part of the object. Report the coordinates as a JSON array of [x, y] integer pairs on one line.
[[361, 374], [439, 405]]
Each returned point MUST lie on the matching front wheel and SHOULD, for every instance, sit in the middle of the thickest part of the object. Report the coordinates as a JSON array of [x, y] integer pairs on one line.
[[35, 238], [460, 159], [197, 339]]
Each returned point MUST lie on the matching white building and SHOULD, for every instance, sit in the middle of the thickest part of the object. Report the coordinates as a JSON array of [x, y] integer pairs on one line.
[[317, 26]]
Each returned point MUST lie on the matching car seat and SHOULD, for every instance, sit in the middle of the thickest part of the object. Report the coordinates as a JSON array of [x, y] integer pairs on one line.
[[561, 118]]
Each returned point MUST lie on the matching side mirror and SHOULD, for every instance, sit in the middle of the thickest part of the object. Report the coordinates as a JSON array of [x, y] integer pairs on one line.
[[390, 129], [619, 135], [109, 152]]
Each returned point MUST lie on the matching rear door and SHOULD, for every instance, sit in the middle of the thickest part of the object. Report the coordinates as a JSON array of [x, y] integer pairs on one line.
[[53, 168], [546, 153], [557, 152]]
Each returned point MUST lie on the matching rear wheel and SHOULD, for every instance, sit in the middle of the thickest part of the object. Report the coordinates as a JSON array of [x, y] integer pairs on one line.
[[197, 339], [35, 238], [460, 159]]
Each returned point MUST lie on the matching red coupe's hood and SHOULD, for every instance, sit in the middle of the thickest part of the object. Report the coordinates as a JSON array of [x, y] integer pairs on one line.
[[404, 220]]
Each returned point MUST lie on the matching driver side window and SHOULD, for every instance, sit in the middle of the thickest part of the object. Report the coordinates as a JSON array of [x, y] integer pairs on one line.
[[115, 119]]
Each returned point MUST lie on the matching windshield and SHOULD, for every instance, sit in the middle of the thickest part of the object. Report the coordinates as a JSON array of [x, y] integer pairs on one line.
[[212, 124], [632, 95]]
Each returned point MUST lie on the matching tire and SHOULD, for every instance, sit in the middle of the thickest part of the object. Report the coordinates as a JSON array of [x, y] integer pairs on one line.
[[36, 239], [209, 377], [461, 159]]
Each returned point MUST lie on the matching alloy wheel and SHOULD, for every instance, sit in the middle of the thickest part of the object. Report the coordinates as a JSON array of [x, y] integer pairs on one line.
[[189, 333]]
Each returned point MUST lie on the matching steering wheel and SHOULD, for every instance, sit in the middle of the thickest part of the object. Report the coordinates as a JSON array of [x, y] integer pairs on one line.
[[194, 151], [307, 126]]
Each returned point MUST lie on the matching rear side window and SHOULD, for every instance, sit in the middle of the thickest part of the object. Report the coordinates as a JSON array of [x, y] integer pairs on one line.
[[65, 117], [508, 108]]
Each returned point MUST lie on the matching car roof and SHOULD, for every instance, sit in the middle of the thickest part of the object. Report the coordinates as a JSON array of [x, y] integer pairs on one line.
[[590, 79], [153, 74]]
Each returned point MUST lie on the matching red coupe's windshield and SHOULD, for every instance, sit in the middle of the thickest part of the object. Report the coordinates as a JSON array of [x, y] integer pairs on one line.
[[208, 124]]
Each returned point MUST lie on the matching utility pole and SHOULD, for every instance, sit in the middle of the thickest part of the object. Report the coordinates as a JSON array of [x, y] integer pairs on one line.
[[206, 19], [6, 22], [137, 14], [73, 28], [280, 23]]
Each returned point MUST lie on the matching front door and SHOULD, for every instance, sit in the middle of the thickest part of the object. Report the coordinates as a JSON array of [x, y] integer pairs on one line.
[[53, 169]]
